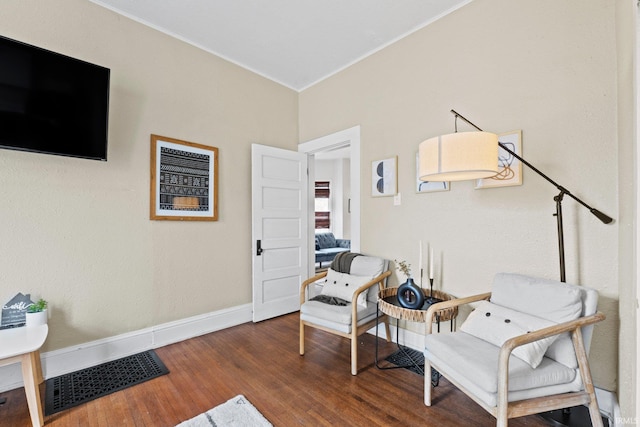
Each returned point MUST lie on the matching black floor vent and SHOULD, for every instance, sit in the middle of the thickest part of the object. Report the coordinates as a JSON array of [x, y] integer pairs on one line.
[[69, 390], [408, 358]]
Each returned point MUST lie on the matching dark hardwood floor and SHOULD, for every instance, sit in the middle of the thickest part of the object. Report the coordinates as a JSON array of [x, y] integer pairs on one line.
[[261, 361]]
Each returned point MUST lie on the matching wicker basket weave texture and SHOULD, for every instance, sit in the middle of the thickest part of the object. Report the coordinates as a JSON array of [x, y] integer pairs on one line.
[[399, 312]]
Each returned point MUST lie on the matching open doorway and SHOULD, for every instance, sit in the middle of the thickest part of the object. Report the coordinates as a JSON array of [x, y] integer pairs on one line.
[[332, 200], [336, 158]]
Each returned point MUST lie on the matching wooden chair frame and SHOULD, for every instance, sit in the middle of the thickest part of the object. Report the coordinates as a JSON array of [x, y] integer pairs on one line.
[[505, 409], [356, 330]]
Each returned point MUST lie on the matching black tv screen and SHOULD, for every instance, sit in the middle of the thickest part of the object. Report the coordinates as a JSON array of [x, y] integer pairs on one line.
[[51, 103]]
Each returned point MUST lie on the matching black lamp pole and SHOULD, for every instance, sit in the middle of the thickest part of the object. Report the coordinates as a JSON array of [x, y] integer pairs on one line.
[[558, 199]]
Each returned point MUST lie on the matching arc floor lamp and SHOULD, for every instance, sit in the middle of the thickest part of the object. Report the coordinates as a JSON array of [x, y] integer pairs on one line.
[[464, 156]]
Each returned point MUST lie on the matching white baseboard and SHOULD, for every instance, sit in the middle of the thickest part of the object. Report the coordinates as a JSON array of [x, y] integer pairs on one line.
[[70, 359], [609, 408]]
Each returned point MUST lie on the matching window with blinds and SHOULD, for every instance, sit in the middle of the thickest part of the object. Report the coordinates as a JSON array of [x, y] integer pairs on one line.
[[322, 206]]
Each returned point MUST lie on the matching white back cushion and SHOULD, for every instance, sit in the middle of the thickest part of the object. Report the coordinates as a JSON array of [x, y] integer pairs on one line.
[[549, 299], [369, 266]]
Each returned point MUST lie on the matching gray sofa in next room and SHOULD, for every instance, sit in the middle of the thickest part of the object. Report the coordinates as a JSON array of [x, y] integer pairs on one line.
[[327, 247]]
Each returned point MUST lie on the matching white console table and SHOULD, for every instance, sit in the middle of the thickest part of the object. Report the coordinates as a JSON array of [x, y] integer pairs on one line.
[[23, 345]]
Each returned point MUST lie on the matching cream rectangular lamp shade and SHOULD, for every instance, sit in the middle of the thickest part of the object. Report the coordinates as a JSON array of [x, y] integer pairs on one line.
[[459, 156]]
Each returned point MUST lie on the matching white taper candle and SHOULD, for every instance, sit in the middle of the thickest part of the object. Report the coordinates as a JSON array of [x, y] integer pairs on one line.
[[430, 263], [420, 260]]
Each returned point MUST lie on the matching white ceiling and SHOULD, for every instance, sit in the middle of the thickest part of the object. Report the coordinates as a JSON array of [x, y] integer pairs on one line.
[[296, 43]]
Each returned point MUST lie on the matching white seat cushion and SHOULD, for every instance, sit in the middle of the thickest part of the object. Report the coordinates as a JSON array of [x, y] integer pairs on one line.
[[335, 316], [473, 363]]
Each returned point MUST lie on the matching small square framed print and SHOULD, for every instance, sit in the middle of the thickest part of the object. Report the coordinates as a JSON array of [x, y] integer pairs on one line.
[[384, 177]]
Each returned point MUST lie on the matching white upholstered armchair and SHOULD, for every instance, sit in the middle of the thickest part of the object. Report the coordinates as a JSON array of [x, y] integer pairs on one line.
[[347, 304], [523, 350]]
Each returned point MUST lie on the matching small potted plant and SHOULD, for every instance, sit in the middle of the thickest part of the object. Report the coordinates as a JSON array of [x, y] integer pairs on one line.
[[37, 313]]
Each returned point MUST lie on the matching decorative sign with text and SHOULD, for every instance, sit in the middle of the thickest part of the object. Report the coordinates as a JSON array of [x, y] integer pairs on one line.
[[14, 312]]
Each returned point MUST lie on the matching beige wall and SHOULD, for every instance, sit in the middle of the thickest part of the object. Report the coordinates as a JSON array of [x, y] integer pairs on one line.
[[77, 232], [627, 181], [546, 67]]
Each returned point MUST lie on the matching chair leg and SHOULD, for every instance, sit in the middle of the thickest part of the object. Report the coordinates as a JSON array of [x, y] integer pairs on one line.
[[594, 411], [354, 352], [502, 410], [301, 338], [427, 383], [585, 373]]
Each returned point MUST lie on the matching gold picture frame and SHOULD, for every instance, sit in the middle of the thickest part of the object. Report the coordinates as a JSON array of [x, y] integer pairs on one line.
[[184, 180]]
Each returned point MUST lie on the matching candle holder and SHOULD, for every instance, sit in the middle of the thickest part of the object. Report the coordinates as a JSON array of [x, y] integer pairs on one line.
[[431, 299]]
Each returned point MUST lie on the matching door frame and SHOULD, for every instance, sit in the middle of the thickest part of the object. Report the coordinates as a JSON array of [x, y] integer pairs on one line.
[[636, 274], [344, 138]]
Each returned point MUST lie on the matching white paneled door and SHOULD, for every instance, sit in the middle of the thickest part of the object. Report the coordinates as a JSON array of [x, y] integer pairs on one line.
[[280, 222]]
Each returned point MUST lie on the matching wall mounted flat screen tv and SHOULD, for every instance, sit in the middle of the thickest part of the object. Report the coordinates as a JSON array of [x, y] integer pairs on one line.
[[52, 103]]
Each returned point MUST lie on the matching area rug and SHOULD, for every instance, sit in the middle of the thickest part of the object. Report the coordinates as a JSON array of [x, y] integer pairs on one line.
[[69, 390], [236, 412]]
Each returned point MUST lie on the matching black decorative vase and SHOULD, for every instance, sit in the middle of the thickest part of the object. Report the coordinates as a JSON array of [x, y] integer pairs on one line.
[[410, 295]]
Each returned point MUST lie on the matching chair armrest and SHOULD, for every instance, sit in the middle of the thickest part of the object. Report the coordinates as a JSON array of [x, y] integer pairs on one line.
[[306, 283], [433, 309], [370, 283], [510, 344], [549, 331]]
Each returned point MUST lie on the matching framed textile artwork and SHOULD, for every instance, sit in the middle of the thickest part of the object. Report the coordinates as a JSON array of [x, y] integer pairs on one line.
[[184, 180]]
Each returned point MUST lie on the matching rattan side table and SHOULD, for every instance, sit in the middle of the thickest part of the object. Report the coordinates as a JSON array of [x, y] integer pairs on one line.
[[388, 304]]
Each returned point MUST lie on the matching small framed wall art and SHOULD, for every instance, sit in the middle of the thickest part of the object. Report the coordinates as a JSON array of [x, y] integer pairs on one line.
[[184, 180], [509, 168], [428, 186], [384, 177]]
